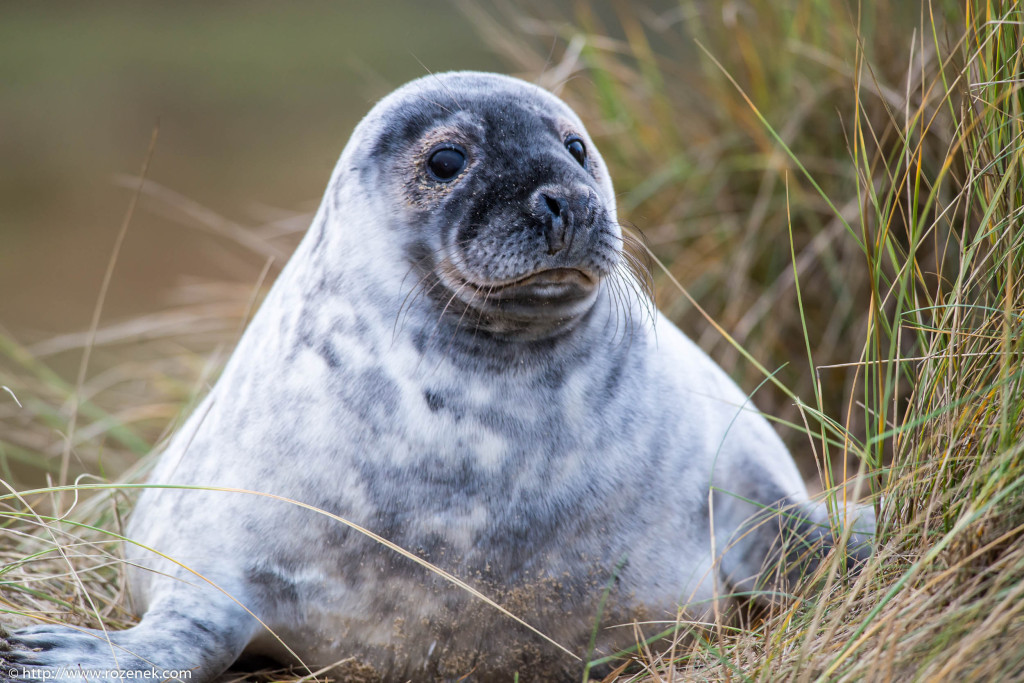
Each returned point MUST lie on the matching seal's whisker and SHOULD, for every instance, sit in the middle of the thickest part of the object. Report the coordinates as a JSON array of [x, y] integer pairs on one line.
[[451, 299], [628, 322], [639, 271], [617, 296], [639, 288], [634, 243], [625, 278], [414, 294], [617, 302], [417, 294], [409, 299], [466, 307], [479, 314], [455, 330], [444, 264], [436, 104], [418, 289], [439, 81]]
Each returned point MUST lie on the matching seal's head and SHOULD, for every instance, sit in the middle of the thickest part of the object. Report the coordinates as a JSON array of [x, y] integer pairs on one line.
[[508, 208]]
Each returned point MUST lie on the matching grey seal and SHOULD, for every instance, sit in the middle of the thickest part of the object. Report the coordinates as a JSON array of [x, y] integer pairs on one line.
[[456, 359]]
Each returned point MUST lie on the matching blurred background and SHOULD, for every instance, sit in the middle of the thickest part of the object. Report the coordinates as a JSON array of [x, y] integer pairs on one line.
[[254, 101]]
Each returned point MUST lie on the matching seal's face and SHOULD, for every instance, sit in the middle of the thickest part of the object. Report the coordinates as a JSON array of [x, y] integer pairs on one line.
[[508, 209]]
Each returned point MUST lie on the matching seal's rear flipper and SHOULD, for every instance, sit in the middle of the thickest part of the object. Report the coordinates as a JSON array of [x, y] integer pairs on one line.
[[178, 640]]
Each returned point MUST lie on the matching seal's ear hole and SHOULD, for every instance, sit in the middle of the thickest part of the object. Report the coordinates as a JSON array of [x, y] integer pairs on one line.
[[446, 163], [577, 149]]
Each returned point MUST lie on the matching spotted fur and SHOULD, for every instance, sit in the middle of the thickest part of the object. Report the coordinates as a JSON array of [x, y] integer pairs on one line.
[[547, 444]]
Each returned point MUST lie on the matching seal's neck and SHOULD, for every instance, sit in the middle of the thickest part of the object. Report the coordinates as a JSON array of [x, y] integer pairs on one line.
[[468, 341], [476, 339]]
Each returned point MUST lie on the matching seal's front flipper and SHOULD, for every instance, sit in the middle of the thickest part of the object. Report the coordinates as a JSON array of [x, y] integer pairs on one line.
[[806, 535], [188, 642], [778, 546]]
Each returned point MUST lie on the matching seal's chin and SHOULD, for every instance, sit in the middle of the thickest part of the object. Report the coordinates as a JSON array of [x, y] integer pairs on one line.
[[555, 293]]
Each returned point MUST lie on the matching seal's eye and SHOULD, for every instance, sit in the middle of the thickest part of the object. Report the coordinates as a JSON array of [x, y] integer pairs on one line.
[[577, 150], [446, 163]]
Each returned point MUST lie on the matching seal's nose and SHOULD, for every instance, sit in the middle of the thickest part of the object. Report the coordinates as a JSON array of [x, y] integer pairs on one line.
[[556, 217]]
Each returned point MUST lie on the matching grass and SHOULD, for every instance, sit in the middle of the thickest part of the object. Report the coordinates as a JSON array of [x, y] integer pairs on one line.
[[840, 187]]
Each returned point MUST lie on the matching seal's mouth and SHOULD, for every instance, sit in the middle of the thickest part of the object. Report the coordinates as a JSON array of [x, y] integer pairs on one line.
[[548, 285], [549, 292], [544, 284]]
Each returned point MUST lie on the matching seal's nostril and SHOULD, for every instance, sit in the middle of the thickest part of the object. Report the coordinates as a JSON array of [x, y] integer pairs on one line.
[[555, 205], [556, 220]]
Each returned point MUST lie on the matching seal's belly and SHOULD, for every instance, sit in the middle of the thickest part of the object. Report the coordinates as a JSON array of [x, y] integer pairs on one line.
[[423, 627], [559, 564]]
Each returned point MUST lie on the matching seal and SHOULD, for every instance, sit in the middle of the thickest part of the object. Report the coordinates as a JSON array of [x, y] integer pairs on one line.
[[457, 362]]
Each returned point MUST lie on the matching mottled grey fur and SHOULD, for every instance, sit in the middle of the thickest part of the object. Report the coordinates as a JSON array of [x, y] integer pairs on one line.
[[544, 451]]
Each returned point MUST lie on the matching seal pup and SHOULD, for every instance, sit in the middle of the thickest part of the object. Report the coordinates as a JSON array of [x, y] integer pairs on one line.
[[454, 359]]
